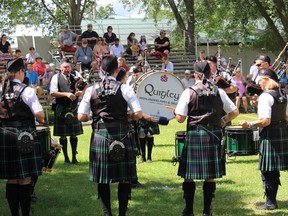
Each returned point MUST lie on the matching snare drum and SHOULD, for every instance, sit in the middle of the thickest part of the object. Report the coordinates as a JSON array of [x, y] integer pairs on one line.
[[242, 141], [155, 90], [179, 144], [43, 134]]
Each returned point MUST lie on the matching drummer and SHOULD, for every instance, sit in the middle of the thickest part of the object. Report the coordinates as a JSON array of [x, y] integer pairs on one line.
[[19, 160], [273, 157], [203, 104]]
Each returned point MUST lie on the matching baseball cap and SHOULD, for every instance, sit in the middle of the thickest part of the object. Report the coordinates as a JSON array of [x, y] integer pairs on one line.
[[187, 72], [264, 58], [267, 72]]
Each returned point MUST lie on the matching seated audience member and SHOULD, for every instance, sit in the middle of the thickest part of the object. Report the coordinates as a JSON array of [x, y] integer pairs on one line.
[[143, 45], [122, 64], [84, 54], [66, 38], [188, 80], [5, 46], [33, 80], [132, 44], [201, 57], [50, 73], [90, 35], [32, 55], [109, 36], [162, 45], [17, 53], [99, 50], [40, 68], [117, 49], [167, 65]]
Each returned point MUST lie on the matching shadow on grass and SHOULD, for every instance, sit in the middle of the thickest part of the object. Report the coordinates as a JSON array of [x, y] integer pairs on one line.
[[282, 205], [241, 161], [163, 145]]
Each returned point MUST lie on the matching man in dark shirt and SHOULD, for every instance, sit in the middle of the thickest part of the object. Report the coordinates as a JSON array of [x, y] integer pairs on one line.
[[162, 43], [90, 35]]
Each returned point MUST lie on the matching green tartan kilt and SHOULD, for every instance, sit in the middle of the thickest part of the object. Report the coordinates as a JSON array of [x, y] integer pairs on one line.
[[273, 150], [201, 158], [16, 165], [63, 129], [147, 128], [102, 169]]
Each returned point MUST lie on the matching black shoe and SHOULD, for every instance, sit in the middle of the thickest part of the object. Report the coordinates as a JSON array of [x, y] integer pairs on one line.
[[136, 185], [74, 161], [267, 207]]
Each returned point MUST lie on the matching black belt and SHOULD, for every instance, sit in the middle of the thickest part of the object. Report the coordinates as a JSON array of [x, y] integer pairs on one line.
[[206, 126], [13, 124], [103, 125]]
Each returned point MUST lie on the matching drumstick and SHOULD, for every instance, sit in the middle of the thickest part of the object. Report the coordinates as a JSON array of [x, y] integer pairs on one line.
[[169, 107]]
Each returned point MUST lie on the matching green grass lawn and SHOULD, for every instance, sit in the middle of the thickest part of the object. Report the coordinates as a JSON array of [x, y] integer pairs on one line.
[[68, 191]]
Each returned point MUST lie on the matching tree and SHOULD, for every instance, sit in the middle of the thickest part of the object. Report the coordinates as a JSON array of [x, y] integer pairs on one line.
[[48, 14]]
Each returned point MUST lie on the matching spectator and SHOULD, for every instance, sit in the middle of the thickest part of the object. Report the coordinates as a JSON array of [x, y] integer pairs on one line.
[[84, 54], [143, 45], [90, 35], [201, 57], [132, 44], [50, 73], [167, 65], [162, 44], [17, 53], [32, 55], [239, 79], [5, 47], [33, 79], [40, 68], [188, 80], [99, 50], [122, 64], [66, 40], [109, 36], [117, 49]]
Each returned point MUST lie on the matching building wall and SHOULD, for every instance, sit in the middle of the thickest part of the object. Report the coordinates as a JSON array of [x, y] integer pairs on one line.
[[247, 55], [41, 44]]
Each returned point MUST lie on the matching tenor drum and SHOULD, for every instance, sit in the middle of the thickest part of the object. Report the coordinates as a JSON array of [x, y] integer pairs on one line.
[[179, 145], [155, 90], [242, 141], [44, 136]]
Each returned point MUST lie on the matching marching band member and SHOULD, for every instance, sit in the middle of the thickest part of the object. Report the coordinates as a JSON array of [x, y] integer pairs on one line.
[[273, 157], [63, 88], [201, 158], [108, 101], [19, 158]]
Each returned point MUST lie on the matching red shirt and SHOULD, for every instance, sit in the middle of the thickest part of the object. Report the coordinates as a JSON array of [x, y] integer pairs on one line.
[[40, 69]]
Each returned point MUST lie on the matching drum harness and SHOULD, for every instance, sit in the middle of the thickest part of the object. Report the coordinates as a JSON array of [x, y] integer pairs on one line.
[[116, 147]]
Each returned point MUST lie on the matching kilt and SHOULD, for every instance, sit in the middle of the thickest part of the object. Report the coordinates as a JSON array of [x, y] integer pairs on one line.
[[63, 129], [102, 169], [16, 165], [273, 150], [147, 128], [201, 158]]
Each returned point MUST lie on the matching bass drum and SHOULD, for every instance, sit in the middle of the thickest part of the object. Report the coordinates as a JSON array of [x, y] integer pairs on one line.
[[155, 90]]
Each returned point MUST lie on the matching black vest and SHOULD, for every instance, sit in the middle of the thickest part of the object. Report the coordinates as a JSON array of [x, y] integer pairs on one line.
[[65, 85], [13, 109], [107, 102], [278, 114], [204, 109]]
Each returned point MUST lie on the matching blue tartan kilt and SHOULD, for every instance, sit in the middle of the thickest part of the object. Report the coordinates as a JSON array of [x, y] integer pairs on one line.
[[148, 129], [201, 155], [63, 129], [273, 150], [16, 165], [102, 169]]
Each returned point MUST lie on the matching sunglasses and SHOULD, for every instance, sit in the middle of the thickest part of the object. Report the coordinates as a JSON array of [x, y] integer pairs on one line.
[[258, 65]]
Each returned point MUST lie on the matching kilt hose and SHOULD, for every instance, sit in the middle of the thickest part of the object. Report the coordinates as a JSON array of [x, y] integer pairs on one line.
[[16, 165], [201, 157], [102, 169], [273, 150], [63, 129]]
